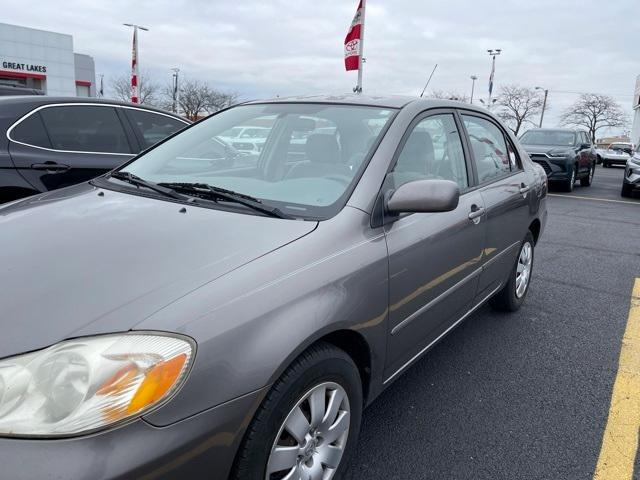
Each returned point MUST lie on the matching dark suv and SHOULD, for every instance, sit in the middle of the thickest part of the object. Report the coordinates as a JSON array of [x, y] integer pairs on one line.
[[566, 155], [53, 142]]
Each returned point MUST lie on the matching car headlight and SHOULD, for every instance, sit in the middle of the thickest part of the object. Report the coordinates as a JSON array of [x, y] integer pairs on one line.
[[86, 384], [557, 154]]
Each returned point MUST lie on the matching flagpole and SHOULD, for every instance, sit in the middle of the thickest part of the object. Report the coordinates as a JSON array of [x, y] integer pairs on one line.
[[358, 88], [135, 64]]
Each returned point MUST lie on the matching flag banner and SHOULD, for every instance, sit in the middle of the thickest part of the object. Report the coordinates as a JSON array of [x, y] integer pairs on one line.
[[493, 71], [134, 68], [352, 42]]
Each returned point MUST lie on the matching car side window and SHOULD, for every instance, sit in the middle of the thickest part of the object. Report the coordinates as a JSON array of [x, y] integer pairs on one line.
[[153, 127], [433, 150], [489, 148], [31, 131], [83, 128]]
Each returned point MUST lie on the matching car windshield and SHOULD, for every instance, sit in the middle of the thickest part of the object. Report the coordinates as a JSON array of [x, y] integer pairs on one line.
[[548, 137], [301, 158], [621, 147]]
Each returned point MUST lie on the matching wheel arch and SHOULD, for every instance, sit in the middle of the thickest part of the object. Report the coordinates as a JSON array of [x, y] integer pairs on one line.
[[535, 228]]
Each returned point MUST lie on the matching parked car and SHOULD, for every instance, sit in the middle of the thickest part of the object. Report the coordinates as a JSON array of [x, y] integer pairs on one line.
[[56, 142], [616, 154], [246, 139], [631, 180], [232, 322], [566, 155], [10, 89]]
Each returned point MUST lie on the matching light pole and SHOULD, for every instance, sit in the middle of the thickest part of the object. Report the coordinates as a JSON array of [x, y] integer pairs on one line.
[[176, 90], [544, 103], [473, 85], [493, 53], [135, 68]]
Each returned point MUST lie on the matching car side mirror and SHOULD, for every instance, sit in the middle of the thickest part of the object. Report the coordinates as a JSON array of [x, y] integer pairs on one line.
[[424, 196]]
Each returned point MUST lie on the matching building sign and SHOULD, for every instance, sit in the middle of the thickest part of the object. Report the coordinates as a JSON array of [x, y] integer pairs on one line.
[[25, 67]]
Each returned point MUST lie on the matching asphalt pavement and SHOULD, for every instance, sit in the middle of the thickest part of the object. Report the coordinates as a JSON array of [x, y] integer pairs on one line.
[[523, 395]]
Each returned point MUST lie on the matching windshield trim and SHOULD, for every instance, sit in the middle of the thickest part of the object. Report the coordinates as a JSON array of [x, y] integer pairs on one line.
[[329, 211]]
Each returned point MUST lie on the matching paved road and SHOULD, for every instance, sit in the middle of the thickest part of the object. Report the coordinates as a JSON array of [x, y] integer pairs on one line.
[[524, 395]]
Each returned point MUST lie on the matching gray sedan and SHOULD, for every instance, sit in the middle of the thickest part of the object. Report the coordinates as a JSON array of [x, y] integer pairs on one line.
[[186, 317]]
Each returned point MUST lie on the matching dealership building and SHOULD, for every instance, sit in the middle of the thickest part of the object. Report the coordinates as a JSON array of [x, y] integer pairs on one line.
[[45, 61]]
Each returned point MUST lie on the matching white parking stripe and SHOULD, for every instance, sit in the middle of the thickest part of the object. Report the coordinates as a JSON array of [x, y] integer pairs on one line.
[[597, 199]]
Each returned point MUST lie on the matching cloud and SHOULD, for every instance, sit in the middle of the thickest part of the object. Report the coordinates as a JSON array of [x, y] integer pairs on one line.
[[262, 48]]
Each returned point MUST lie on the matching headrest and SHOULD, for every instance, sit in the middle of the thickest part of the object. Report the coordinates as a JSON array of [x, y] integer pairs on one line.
[[323, 148], [417, 154]]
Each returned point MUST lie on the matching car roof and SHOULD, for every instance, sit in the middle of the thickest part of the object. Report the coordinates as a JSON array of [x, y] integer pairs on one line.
[[32, 101], [383, 101], [568, 130]]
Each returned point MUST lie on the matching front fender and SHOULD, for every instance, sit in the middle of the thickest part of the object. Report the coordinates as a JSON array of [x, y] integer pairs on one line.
[[251, 323]]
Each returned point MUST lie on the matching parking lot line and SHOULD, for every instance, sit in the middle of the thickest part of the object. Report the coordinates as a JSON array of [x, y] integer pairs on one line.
[[597, 199], [620, 442]]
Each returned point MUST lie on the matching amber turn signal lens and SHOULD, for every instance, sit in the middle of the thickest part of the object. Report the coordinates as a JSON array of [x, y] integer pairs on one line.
[[157, 382]]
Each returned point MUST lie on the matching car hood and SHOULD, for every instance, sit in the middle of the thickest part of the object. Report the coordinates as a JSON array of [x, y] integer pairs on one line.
[[75, 262], [546, 148]]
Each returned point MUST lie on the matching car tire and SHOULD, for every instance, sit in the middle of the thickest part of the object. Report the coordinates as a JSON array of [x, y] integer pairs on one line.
[[626, 191], [269, 440], [588, 180], [568, 184], [605, 164], [512, 295]]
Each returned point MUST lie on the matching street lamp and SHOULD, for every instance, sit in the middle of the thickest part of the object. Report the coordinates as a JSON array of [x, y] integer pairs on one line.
[[135, 68], [493, 53], [544, 103], [473, 84], [176, 90]]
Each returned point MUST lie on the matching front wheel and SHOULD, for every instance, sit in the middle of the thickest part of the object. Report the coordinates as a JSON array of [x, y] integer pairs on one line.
[[588, 180], [626, 190], [307, 426], [511, 297], [568, 185]]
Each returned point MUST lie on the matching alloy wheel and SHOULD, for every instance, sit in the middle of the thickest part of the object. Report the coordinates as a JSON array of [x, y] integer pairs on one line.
[[313, 437], [523, 270]]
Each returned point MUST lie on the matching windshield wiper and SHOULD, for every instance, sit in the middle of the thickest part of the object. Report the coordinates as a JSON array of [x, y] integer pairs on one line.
[[139, 182], [217, 193]]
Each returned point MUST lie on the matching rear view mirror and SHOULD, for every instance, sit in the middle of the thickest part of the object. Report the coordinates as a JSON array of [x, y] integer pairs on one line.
[[424, 196]]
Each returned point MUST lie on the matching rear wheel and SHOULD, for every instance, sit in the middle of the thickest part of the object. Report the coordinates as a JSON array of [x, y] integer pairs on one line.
[[308, 424], [586, 181], [626, 190], [511, 297]]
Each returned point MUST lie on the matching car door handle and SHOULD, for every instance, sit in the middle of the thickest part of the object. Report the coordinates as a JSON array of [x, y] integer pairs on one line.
[[524, 188], [475, 214], [50, 167]]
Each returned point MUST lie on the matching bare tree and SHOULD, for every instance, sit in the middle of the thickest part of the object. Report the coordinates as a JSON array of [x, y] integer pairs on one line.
[[594, 112], [450, 95], [120, 89], [197, 98], [518, 106]]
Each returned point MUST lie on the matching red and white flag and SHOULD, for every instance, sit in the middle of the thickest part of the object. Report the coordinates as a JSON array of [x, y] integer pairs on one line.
[[353, 41], [134, 68]]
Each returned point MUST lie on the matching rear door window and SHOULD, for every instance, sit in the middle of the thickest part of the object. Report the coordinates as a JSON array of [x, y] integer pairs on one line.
[[153, 127], [31, 131], [85, 128]]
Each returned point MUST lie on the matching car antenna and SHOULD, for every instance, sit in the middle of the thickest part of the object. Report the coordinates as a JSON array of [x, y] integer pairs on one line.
[[430, 76]]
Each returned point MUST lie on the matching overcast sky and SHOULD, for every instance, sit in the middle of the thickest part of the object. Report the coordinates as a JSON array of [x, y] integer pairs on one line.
[[263, 48]]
